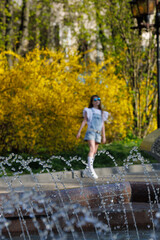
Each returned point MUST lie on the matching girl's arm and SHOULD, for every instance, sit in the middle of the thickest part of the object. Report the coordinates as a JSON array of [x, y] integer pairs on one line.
[[82, 125], [103, 134]]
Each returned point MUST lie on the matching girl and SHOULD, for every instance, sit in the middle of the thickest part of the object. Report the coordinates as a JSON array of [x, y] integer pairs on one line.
[[94, 117]]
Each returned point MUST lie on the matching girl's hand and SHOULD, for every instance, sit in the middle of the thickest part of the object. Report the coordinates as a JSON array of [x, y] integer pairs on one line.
[[78, 135], [104, 140]]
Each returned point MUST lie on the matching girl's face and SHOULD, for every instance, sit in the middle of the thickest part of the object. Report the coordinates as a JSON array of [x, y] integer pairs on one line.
[[96, 102]]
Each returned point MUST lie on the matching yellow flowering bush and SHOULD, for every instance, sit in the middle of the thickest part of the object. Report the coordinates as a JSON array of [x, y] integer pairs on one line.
[[43, 95]]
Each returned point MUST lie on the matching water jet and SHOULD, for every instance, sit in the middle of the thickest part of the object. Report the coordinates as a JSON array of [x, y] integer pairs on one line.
[[122, 204]]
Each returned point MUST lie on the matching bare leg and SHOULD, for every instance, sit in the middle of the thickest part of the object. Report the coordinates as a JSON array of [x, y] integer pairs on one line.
[[92, 148], [96, 148]]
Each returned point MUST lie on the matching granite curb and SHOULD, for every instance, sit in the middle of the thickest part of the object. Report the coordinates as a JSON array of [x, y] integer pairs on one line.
[[72, 179], [101, 172], [123, 211]]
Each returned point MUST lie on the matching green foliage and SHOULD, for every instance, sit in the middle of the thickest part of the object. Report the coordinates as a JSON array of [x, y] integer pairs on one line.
[[78, 157]]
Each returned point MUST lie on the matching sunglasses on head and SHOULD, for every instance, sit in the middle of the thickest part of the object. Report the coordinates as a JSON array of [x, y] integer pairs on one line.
[[96, 99]]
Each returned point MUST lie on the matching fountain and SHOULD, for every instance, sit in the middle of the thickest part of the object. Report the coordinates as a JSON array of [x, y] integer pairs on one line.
[[150, 144], [122, 204]]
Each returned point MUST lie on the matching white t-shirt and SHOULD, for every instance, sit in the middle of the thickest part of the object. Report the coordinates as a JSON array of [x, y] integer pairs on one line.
[[90, 111]]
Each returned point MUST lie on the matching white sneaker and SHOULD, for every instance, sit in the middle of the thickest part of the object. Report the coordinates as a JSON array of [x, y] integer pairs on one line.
[[90, 173]]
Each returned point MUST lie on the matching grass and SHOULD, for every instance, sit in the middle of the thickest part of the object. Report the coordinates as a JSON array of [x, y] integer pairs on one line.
[[119, 150]]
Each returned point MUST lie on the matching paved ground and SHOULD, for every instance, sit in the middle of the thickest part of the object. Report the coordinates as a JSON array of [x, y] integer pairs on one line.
[[62, 180]]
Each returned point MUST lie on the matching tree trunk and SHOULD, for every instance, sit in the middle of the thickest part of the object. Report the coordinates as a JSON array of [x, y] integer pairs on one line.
[[51, 42], [100, 33], [54, 29], [38, 11], [3, 20], [23, 32], [9, 28]]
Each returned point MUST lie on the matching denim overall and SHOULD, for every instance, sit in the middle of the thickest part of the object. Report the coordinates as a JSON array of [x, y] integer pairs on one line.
[[94, 131]]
